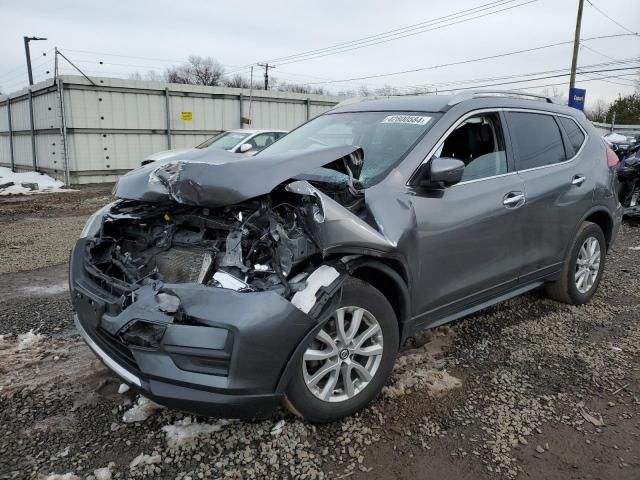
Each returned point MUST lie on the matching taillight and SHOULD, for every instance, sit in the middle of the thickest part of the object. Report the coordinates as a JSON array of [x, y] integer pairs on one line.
[[612, 159]]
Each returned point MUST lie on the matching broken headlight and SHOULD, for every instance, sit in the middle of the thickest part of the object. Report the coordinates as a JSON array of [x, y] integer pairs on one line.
[[92, 227]]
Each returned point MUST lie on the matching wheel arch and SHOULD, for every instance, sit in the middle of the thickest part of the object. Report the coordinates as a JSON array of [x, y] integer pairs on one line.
[[389, 277], [601, 217]]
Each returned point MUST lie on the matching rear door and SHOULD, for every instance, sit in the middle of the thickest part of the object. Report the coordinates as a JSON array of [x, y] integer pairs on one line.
[[558, 186]]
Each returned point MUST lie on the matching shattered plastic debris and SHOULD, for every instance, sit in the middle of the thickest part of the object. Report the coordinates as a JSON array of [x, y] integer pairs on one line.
[[598, 422], [29, 339], [185, 432], [141, 411], [277, 429], [123, 388], [323, 276]]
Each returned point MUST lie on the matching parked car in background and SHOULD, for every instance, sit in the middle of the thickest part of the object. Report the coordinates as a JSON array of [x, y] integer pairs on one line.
[[245, 141], [228, 287], [623, 145]]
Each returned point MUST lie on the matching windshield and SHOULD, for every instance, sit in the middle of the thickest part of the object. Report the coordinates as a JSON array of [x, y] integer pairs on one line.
[[224, 141], [385, 138]]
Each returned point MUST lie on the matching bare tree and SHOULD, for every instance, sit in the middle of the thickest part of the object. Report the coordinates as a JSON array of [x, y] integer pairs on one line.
[[555, 94], [196, 71], [597, 112], [364, 91], [151, 76], [237, 81], [386, 91]]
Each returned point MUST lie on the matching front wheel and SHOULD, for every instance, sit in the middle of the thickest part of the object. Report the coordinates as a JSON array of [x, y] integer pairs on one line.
[[350, 358], [582, 268]]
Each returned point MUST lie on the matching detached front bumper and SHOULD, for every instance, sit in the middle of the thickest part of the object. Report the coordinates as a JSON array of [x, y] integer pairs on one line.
[[228, 356]]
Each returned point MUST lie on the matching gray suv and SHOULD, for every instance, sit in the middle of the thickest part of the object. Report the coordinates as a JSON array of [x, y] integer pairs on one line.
[[227, 287]]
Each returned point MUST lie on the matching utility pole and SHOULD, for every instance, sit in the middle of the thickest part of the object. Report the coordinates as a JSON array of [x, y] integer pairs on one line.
[[266, 67], [576, 45], [28, 54]]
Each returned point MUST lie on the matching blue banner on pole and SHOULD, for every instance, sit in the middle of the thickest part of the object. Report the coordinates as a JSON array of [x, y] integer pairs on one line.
[[576, 98]]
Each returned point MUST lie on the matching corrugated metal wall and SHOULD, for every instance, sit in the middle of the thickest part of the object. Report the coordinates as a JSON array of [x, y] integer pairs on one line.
[[112, 126]]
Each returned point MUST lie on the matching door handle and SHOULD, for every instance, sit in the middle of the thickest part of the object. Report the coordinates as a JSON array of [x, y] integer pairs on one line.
[[513, 199], [578, 180]]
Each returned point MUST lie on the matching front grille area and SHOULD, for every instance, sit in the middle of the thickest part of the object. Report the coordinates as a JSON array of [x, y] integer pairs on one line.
[[113, 347], [182, 265]]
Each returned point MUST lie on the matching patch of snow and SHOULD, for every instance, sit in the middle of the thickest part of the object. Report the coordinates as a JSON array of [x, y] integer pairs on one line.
[[277, 429], [29, 339], [141, 410], [104, 473], [65, 476], [185, 432], [45, 183], [123, 388], [634, 248]]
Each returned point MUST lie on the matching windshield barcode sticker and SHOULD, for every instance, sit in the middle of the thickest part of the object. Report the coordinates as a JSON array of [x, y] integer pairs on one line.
[[410, 119]]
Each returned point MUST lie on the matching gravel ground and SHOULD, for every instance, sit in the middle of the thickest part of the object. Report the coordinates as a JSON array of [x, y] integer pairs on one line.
[[51, 223], [527, 389]]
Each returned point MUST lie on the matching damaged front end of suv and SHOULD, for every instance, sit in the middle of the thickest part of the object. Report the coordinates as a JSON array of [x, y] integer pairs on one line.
[[205, 281]]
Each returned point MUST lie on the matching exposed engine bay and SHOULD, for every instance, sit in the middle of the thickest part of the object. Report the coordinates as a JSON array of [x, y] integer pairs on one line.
[[254, 246], [200, 223]]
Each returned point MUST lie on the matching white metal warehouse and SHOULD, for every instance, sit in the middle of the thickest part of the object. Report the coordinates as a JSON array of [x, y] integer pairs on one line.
[[83, 133]]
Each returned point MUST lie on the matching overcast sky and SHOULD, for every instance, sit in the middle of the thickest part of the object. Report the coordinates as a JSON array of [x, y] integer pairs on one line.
[[163, 32]]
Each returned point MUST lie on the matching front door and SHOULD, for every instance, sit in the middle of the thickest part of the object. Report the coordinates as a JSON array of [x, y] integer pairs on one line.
[[468, 234]]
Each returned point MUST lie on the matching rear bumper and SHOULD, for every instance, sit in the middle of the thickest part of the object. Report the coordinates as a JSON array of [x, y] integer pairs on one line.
[[228, 355]]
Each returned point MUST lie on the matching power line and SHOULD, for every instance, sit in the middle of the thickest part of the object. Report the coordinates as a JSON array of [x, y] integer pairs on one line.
[[613, 20], [546, 72], [497, 84], [394, 32], [463, 62], [380, 38], [409, 34]]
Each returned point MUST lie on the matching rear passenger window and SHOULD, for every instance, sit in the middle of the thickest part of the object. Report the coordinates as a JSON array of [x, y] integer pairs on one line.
[[537, 139], [573, 131]]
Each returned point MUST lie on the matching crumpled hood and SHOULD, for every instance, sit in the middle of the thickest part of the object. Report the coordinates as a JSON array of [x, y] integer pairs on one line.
[[217, 178]]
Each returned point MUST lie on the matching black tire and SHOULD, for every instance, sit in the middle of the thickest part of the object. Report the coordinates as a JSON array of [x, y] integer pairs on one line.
[[564, 289], [301, 401]]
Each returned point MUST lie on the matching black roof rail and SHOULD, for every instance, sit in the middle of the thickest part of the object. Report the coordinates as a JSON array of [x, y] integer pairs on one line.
[[461, 97]]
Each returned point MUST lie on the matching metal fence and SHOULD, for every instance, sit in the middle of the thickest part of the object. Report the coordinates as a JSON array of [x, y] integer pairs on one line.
[[83, 133], [605, 128]]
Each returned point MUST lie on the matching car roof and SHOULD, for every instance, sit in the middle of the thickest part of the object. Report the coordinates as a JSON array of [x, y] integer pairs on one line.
[[256, 130], [443, 103]]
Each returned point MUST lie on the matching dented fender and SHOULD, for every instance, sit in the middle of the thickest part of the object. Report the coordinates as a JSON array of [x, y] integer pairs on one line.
[[335, 226]]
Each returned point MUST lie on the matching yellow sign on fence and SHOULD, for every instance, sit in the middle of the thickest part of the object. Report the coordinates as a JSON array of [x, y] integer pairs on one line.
[[186, 116]]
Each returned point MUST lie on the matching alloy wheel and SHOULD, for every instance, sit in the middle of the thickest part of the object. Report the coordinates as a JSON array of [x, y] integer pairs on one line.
[[344, 356], [587, 265]]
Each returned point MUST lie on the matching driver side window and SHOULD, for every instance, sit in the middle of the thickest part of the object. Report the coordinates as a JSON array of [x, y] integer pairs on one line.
[[479, 143]]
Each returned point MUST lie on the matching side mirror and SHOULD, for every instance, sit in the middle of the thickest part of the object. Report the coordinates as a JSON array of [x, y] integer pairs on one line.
[[245, 147], [440, 172]]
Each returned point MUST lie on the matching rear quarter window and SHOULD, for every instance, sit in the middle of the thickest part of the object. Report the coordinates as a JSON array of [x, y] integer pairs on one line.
[[574, 133], [537, 139]]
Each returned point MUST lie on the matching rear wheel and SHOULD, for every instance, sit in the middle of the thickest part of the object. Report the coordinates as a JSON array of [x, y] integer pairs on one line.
[[583, 267], [349, 360]]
